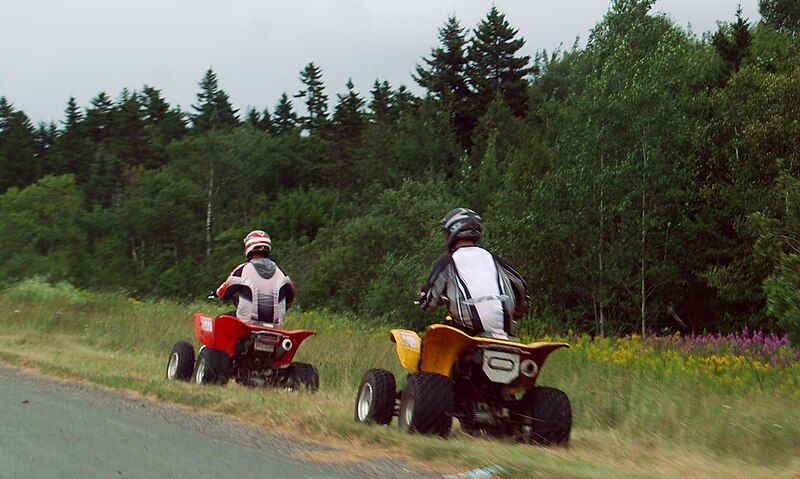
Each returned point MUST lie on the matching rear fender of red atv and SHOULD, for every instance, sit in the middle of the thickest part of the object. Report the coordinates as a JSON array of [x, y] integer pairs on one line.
[[224, 331], [296, 337]]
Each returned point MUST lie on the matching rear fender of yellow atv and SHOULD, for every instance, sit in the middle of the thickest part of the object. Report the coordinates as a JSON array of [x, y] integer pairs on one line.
[[408, 348], [442, 345]]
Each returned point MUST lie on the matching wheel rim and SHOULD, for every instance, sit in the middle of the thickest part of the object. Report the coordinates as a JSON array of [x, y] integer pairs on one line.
[[201, 372], [408, 413], [365, 399], [172, 367]]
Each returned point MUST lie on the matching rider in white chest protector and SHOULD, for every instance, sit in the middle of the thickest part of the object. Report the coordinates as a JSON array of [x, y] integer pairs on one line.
[[483, 293]]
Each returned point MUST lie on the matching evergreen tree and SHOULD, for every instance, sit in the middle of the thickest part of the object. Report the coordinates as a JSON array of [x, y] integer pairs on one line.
[[494, 67], [348, 116], [316, 100], [349, 121], [73, 147], [445, 78], [98, 118], [18, 163], [732, 42], [265, 123], [285, 117], [213, 108], [127, 135], [381, 105], [252, 117], [45, 137], [72, 114], [166, 123]]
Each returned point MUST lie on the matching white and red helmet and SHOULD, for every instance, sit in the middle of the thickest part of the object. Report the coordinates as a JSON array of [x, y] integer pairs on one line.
[[257, 241]]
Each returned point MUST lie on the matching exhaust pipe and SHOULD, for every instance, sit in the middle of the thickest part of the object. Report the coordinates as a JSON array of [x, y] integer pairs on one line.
[[529, 368]]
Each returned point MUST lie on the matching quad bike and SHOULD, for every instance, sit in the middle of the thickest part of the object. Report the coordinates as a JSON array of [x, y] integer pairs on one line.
[[486, 382], [251, 354]]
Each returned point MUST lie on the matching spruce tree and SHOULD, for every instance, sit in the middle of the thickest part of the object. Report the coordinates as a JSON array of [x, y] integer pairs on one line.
[[348, 114], [315, 97], [18, 164], [445, 75], [382, 107], [732, 42], [170, 122], [45, 137], [98, 117], [214, 109], [265, 124], [493, 65], [285, 117], [445, 78], [73, 148], [349, 121], [252, 117]]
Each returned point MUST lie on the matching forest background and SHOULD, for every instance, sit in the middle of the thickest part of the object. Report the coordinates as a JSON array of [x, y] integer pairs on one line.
[[646, 183]]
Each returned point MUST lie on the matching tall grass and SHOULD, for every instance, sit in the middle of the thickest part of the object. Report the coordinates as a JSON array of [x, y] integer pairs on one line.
[[638, 412]]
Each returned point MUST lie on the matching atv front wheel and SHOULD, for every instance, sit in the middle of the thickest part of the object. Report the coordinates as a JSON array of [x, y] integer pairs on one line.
[[426, 404], [302, 375], [376, 397], [212, 366], [181, 362], [546, 417]]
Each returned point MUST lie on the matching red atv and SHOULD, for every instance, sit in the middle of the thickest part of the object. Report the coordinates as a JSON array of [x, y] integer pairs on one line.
[[253, 355]]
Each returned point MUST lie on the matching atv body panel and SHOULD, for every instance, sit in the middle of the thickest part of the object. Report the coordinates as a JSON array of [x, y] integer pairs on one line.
[[225, 332], [251, 354], [444, 345]]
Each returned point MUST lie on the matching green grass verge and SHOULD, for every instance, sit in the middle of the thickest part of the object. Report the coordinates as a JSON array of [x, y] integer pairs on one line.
[[626, 423]]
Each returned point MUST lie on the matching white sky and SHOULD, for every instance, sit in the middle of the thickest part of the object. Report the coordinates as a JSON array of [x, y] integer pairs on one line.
[[51, 50]]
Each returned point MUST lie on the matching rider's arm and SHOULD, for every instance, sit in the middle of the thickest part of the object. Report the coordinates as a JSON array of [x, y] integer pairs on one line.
[[288, 292], [229, 287], [435, 288], [518, 287]]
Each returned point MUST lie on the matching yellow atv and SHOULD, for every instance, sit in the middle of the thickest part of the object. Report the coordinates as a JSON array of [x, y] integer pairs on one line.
[[487, 382]]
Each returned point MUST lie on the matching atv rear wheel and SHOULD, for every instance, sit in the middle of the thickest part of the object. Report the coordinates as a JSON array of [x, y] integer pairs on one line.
[[426, 404], [212, 366], [546, 417], [376, 397], [302, 375], [181, 362]]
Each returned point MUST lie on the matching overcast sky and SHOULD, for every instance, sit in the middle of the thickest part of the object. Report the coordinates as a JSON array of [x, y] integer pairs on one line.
[[51, 50]]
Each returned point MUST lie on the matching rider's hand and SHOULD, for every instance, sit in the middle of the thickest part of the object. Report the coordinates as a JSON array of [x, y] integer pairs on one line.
[[423, 299], [213, 294]]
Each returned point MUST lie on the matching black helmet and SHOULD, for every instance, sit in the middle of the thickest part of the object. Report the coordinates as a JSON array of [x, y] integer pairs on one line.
[[461, 223]]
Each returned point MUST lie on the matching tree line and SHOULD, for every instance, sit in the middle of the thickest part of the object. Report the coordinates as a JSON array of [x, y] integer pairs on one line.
[[647, 182]]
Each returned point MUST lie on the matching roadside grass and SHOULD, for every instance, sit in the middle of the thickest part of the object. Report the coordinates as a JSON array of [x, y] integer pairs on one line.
[[631, 419]]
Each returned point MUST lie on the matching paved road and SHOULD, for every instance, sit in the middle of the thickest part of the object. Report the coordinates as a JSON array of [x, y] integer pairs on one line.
[[57, 429]]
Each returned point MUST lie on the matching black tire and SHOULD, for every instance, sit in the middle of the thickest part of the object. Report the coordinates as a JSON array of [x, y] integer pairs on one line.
[[376, 397], [302, 376], [546, 417], [213, 366], [181, 362], [426, 404]]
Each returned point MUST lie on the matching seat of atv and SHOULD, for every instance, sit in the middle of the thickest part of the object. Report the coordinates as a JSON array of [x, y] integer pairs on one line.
[[499, 336]]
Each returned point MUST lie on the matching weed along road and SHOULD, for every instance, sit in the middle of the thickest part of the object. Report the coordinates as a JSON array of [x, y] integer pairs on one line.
[[60, 429]]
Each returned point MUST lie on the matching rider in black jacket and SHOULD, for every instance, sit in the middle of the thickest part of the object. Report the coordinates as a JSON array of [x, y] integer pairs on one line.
[[484, 294]]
